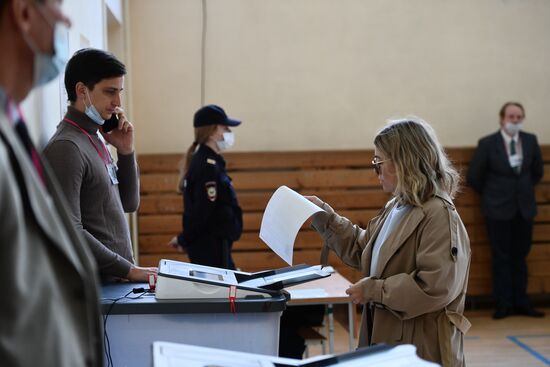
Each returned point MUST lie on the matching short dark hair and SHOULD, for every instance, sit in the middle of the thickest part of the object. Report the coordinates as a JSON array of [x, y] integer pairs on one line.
[[507, 104], [90, 66]]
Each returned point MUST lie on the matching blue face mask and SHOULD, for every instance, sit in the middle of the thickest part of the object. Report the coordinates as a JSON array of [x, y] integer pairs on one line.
[[47, 67], [92, 112]]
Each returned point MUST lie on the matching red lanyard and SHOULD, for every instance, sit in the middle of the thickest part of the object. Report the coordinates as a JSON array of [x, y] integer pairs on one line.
[[15, 116], [106, 157]]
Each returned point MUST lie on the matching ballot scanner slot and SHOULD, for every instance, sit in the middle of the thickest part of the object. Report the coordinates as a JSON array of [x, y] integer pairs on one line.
[[288, 277], [243, 277], [290, 282]]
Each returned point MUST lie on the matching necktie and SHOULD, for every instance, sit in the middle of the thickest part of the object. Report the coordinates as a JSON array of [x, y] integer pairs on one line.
[[23, 133], [512, 153]]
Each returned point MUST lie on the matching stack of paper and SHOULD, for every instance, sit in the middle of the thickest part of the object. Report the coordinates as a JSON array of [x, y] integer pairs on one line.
[[179, 355]]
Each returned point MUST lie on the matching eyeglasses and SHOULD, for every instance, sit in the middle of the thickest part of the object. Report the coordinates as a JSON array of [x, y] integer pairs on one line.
[[376, 164]]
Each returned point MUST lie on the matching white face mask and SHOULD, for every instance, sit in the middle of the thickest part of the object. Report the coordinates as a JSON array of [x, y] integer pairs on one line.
[[512, 129], [92, 112], [227, 142]]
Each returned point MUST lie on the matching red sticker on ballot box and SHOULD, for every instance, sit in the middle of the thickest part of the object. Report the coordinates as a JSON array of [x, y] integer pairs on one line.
[[232, 298]]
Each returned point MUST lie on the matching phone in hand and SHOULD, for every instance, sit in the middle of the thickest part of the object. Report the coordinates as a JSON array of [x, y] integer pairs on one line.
[[110, 124]]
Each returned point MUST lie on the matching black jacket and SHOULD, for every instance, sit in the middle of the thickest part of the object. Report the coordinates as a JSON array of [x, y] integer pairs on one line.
[[211, 208], [504, 192]]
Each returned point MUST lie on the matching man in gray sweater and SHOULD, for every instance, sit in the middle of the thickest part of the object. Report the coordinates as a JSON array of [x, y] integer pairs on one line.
[[98, 189]]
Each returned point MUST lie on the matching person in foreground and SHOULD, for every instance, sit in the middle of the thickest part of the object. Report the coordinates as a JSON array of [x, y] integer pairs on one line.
[[49, 314], [414, 255]]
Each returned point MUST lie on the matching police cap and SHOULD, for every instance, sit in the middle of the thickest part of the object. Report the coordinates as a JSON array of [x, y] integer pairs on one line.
[[213, 115]]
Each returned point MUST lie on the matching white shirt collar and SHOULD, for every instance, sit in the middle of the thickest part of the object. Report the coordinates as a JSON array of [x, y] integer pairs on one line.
[[10, 108], [508, 138]]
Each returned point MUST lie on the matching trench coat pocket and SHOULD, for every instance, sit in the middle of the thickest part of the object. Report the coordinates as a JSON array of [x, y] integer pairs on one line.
[[451, 328], [386, 329]]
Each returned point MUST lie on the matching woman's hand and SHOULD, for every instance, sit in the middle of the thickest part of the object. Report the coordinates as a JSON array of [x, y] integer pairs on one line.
[[315, 200], [174, 244], [357, 292]]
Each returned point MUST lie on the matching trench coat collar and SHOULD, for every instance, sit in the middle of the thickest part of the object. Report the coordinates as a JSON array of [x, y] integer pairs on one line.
[[398, 237]]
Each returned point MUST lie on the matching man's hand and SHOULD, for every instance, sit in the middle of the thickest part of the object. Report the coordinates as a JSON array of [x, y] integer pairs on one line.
[[140, 274], [122, 138]]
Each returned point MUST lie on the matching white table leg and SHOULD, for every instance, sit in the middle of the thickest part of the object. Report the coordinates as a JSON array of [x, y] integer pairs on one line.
[[330, 312], [351, 326]]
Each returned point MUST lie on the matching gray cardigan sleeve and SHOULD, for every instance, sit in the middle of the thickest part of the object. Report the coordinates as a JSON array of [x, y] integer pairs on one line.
[[69, 168]]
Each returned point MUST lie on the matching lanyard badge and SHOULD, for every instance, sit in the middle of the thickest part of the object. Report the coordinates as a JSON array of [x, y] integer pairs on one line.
[[110, 164], [111, 169]]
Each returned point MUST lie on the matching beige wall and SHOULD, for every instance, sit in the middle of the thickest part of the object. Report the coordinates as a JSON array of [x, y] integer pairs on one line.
[[326, 74]]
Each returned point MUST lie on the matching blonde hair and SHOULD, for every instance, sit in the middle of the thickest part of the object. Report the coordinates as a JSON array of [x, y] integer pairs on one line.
[[201, 136], [422, 167]]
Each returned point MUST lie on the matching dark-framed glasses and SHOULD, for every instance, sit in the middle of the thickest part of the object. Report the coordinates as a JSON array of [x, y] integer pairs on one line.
[[376, 163]]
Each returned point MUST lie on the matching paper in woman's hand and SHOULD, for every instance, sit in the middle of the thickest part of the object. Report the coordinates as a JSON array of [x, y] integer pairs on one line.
[[284, 215]]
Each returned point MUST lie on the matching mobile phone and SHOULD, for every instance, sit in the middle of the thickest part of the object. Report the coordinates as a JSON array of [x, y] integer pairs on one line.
[[110, 124]]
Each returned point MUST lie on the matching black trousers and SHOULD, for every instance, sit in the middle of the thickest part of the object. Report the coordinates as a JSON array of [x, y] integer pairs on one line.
[[510, 244], [291, 344]]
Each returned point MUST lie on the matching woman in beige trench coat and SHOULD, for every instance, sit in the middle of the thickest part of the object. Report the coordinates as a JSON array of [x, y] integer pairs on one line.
[[415, 255]]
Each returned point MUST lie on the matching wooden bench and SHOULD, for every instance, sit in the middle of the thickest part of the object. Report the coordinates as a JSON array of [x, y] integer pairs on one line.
[[346, 180]]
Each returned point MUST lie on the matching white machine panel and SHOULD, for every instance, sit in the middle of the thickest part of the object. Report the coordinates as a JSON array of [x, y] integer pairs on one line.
[[177, 280]]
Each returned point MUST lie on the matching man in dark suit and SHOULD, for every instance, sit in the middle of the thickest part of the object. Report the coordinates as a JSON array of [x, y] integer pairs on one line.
[[49, 313], [504, 170]]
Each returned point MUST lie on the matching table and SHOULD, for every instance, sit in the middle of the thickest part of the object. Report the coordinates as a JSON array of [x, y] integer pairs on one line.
[[326, 291], [134, 324]]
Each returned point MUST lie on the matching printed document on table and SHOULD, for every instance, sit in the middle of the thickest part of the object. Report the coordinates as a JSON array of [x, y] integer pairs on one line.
[[284, 215]]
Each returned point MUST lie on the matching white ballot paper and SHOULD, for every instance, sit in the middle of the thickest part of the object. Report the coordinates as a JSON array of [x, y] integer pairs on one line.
[[284, 215], [167, 354]]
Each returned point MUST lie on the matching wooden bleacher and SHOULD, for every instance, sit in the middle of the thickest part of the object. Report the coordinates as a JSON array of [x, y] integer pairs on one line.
[[344, 179]]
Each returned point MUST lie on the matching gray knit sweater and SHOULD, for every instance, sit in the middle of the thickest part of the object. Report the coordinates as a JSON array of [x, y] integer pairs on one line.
[[97, 206]]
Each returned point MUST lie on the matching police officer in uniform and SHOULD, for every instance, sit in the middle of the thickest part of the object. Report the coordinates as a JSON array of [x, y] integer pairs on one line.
[[212, 218]]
